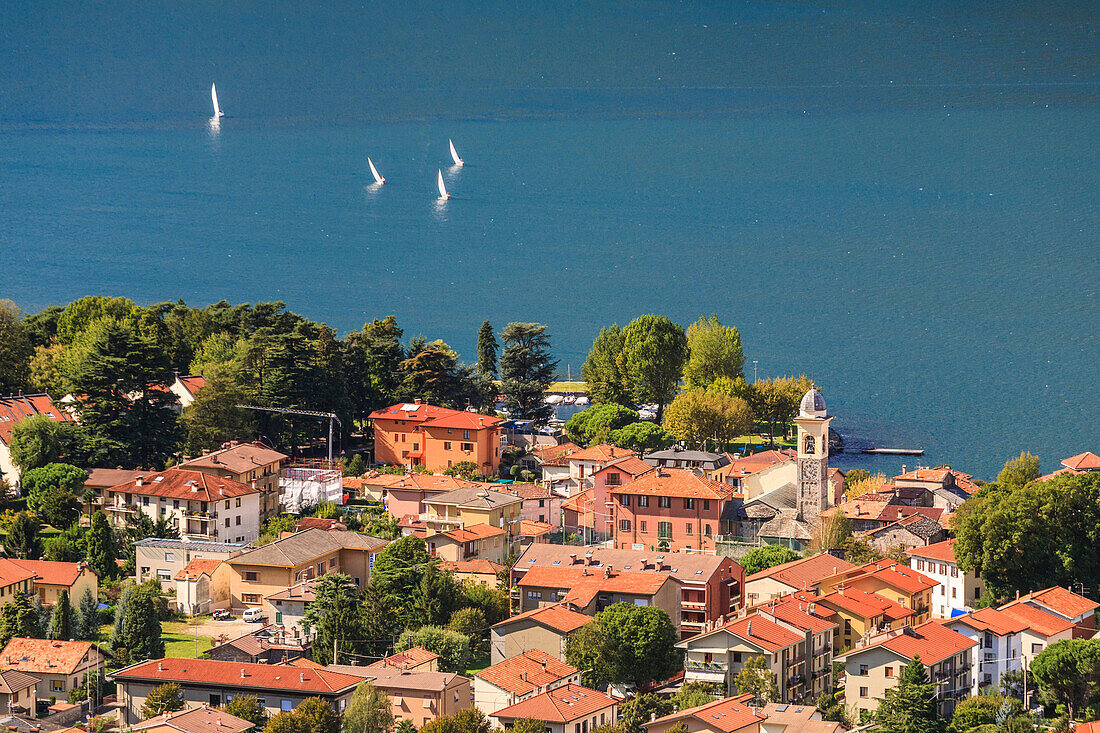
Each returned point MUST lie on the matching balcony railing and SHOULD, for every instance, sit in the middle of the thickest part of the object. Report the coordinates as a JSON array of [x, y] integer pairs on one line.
[[694, 666], [694, 605]]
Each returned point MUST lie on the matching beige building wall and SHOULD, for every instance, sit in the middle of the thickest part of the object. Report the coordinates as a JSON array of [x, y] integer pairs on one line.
[[87, 580], [769, 479], [132, 695], [765, 589], [419, 706], [523, 636], [871, 673]]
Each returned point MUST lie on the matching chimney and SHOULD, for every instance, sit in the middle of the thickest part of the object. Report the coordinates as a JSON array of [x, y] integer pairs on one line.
[[584, 572], [301, 676], [137, 481], [749, 628], [160, 665], [607, 572], [903, 468], [417, 401], [243, 675], [544, 665], [523, 676]]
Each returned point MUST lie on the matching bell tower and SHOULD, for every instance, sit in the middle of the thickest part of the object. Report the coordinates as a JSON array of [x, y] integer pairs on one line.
[[813, 456]]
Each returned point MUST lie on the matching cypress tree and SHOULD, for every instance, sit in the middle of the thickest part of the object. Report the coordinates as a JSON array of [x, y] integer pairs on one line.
[[61, 622], [86, 617], [141, 627], [487, 350], [910, 706], [101, 546]]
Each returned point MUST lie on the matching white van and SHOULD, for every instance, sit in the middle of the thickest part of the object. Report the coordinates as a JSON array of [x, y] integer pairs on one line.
[[253, 614]]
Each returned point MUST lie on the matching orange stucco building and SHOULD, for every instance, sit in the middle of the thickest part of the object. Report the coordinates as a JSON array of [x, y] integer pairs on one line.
[[417, 434]]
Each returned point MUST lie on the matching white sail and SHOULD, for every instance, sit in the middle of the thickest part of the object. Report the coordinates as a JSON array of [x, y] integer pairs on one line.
[[442, 189], [374, 171], [454, 153], [214, 98]]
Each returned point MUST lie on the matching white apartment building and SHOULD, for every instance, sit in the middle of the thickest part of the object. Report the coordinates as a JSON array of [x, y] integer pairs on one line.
[[202, 507], [1000, 645], [958, 589]]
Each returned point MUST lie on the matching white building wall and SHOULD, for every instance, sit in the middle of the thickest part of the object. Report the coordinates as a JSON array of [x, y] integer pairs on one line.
[[309, 486], [951, 592], [993, 656]]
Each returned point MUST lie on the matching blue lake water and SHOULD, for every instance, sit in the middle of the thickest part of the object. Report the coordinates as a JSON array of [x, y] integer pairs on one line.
[[900, 201]]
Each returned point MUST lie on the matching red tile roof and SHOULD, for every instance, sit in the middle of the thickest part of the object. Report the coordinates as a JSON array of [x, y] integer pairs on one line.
[[12, 573], [531, 528], [14, 409], [1083, 462], [43, 655], [582, 587], [243, 675], [798, 613], [192, 382], [555, 452], [676, 482], [630, 465], [725, 716], [484, 567], [602, 453], [992, 620], [176, 483], [581, 502], [240, 458], [408, 659], [473, 532], [435, 417], [748, 465], [561, 705], [933, 641], [320, 523], [197, 720], [197, 567], [105, 478], [54, 573], [890, 572], [559, 618], [866, 605], [1059, 600], [525, 673], [894, 512], [763, 633], [529, 492], [804, 573], [940, 551]]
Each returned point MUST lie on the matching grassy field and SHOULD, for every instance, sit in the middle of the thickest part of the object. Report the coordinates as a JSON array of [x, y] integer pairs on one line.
[[179, 640], [567, 387]]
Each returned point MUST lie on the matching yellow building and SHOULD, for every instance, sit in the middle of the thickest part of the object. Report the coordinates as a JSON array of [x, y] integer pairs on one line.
[[475, 522], [243, 580], [51, 578], [891, 580], [858, 613]]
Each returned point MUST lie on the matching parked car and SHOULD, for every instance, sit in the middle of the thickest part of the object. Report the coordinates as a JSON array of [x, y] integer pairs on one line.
[[222, 615], [253, 615]]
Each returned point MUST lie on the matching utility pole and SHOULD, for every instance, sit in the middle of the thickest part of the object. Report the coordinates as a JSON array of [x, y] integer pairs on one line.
[[307, 413]]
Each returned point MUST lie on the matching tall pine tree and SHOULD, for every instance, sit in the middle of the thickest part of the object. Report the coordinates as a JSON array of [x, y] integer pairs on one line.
[[487, 350], [910, 706], [102, 551], [526, 370], [61, 620]]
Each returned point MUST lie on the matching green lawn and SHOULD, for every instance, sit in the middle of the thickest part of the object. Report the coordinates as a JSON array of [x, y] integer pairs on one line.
[[568, 387], [179, 639]]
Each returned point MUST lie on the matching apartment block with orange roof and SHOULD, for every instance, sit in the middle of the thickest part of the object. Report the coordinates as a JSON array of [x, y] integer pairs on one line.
[[811, 670], [13, 410], [1043, 628], [860, 613], [891, 580], [671, 510], [804, 574], [1078, 464], [253, 464], [584, 463], [716, 656], [519, 678], [546, 627], [1065, 604], [52, 578], [736, 714], [418, 434], [1000, 644], [566, 709], [589, 590], [472, 522], [876, 665], [59, 665]]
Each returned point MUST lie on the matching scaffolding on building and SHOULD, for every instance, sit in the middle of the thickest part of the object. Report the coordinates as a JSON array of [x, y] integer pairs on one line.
[[307, 482]]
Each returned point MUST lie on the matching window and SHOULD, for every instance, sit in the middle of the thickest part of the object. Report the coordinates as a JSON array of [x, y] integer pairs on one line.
[[641, 527], [643, 501], [1036, 648], [624, 500], [863, 692], [954, 572], [332, 562], [57, 686], [169, 557], [624, 525], [227, 503], [954, 592], [689, 503], [251, 576], [943, 568], [176, 504], [250, 597], [613, 479], [238, 502], [863, 670], [988, 640], [664, 502], [227, 521], [164, 574], [737, 657], [145, 501], [706, 530], [446, 445], [238, 520], [286, 705], [468, 447], [687, 528], [215, 700], [534, 595], [465, 434], [664, 530], [542, 503], [889, 671], [706, 505]]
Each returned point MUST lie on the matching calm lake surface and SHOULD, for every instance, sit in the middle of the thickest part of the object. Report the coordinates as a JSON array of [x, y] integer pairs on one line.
[[899, 200]]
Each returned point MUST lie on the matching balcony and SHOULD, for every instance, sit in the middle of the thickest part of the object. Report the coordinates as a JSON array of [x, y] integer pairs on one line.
[[122, 508], [705, 672], [693, 605]]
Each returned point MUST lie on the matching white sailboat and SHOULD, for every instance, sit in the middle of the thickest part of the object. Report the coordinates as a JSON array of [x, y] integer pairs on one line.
[[214, 98], [379, 180], [454, 153], [443, 195]]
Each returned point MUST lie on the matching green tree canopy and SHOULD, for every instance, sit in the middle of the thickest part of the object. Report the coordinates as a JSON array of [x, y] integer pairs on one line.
[[368, 711], [1044, 529], [18, 617], [910, 705], [471, 623], [86, 617], [40, 440], [768, 556], [372, 357], [53, 491], [214, 418], [167, 698], [1019, 471], [471, 720], [313, 715], [776, 401], [487, 347], [604, 371], [698, 416], [61, 620], [23, 540], [595, 424], [526, 370], [1069, 672], [624, 643], [452, 647], [714, 351], [755, 678], [140, 635], [640, 709], [641, 437], [247, 707], [396, 576], [975, 711], [102, 550], [16, 353], [654, 352], [336, 616]]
